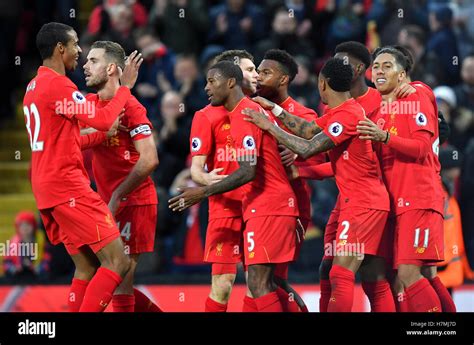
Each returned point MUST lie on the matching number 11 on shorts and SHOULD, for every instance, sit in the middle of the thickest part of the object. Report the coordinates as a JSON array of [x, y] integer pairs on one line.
[[417, 238]]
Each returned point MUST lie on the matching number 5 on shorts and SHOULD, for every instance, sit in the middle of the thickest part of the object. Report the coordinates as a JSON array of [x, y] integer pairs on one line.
[[250, 241]]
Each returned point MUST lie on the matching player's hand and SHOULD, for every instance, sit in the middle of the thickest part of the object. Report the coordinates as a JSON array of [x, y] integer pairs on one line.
[[264, 103], [189, 197], [113, 130], [443, 128], [130, 72], [370, 131], [257, 118], [292, 172], [114, 204], [213, 176], [404, 90], [300, 231], [287, 156]]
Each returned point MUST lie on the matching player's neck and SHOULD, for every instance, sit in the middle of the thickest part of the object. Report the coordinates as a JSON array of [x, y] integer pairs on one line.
[[359, 88], [233, 99], [338, 98], [280, 97], [389, 97], [55, 65], [109, 90]]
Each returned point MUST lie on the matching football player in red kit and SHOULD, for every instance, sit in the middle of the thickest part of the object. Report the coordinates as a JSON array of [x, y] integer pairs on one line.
[[411, 169], [269, 236], [73, 214], [364, 199], [212, 145], [122, 165]]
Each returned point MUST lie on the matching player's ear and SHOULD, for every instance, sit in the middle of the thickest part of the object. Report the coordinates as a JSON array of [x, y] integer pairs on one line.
[[61, 47], [401, 76], [231, 83], [284, 80]]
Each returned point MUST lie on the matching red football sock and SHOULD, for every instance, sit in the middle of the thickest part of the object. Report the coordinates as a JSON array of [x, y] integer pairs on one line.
[[422, 297], [100, 290], [325, 286], [447, 303], [123, 303], [143, 304], [289, 304], [342, 287], [380, 296], [402, 303], [214, 306], [269, 303], [249, 305], [76, 294]]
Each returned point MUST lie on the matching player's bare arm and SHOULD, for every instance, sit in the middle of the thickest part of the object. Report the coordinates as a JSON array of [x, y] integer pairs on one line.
[[304, 148], [201, 176], [145, 165], [193, 195], [297, 125]]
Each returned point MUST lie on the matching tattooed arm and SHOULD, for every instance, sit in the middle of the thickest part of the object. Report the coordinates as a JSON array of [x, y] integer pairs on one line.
[[304, 148], [297, 125]]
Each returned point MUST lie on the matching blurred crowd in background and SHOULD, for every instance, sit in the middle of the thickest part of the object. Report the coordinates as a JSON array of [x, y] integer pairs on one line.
[[179, 39]]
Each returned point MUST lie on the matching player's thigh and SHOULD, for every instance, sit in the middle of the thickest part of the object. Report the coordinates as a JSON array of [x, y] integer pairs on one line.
[[137, 225], [419, 238], [224, 241], [86, 262], [373, 269], [270, 239]]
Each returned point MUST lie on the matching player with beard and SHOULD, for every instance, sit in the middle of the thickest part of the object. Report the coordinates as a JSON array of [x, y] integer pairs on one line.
[[122, 165], [268, 204]]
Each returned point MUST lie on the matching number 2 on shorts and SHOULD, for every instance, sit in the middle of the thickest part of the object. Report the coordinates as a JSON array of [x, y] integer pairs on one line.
[[344, 234]]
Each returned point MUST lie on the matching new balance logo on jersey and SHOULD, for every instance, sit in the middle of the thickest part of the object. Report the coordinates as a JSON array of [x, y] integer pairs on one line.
[[335, 129]]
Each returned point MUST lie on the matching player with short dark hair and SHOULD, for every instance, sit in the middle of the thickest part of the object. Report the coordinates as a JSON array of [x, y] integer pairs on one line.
[[211, 145], [269, 206], [411, 172], [364, 199], [122, 164], [73, 214]]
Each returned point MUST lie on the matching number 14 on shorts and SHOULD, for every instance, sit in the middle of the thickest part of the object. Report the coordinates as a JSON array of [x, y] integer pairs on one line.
[[126, 231]]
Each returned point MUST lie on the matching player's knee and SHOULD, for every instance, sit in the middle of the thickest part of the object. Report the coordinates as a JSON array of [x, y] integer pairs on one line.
[[408, 275], [222, 287], [120, 264], [324, 269], [85, 272]]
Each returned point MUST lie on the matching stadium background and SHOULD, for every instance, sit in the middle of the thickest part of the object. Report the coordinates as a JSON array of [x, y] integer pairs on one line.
[[179, 38]]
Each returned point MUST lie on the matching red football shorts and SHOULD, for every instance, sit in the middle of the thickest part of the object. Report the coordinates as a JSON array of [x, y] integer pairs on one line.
[[281, 270], [270, 239], [419, 238], [224, 241], [84, 221], [330, 234], [137, 225], [359, 231]]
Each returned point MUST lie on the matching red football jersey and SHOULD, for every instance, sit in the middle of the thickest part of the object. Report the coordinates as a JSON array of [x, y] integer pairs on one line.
[[270, 193], [210, 136], [300, 186], [412, 184], [114, 159], [353, 160], [370, 101], [52, 106]]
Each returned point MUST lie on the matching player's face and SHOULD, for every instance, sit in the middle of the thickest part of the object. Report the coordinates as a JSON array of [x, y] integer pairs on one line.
[[95, 68], [216, 87], [357, 66], [71, 51], [269, 79], [249, 83], [386, 74]]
